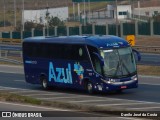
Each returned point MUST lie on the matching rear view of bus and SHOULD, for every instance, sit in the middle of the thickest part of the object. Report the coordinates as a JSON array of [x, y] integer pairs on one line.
[[91, 63]]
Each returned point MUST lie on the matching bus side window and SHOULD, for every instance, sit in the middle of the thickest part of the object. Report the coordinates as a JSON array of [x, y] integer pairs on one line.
[[94, 59], [55, 51], [30, 49], [67, 52]]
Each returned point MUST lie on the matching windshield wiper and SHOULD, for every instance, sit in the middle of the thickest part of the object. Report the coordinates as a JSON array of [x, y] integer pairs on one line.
[[120, 65], [125, 68], [117, 68]]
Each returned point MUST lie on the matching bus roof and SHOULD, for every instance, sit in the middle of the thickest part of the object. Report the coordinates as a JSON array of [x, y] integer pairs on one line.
[[105, 41]]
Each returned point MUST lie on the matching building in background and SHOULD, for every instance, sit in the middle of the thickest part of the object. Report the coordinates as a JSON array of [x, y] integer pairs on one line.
[[108, 15], [123, 11], [146, 11], [39, 16]]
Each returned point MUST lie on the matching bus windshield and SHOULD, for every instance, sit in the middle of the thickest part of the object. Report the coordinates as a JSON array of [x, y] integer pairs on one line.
[[118, 62]]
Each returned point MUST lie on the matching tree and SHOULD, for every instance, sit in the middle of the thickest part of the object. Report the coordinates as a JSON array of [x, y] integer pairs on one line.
[[6, 23], [55, 21], [29, 25], [156, 17]]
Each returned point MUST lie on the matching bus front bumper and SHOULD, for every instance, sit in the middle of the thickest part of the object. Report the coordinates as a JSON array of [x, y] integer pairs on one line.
[[109, 86]]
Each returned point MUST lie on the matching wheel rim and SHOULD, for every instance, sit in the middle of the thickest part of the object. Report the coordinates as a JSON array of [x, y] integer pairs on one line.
[[89, 87], [44, 83]]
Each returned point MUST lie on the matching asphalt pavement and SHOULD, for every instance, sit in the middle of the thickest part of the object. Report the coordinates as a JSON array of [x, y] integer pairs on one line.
[[150, 59]]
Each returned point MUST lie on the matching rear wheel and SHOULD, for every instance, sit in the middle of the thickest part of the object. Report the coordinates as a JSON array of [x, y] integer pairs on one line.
[[44, 84]]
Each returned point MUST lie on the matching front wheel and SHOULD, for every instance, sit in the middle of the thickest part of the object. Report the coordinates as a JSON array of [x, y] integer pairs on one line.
[[119, 91], [89, 88]]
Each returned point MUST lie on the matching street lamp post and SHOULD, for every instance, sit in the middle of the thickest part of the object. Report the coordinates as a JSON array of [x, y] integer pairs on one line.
[[139, 14], [116, 19], [89, 11], [4, 14], [15, 19], [79, 11], [84, 11], [47, 18], [74, 11], [22, 15]]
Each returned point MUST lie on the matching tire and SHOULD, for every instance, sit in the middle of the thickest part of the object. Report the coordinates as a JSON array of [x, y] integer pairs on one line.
[[119, 91], [44, 84], [89, 87]]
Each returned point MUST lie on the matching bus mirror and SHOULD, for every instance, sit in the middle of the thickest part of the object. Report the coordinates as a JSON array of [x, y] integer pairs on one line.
[[138, 55], [100, 58]]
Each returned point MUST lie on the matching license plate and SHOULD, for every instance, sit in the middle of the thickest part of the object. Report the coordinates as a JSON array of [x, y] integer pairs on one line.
[[123, 87]]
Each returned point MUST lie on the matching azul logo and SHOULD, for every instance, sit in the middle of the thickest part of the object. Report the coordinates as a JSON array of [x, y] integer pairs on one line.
[[79, 70], [60, 75], [111, 44]]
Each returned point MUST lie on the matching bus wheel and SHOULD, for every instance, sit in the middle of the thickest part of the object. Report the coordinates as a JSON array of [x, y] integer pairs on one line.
[[89, 88], [44, 84], [119, 91]]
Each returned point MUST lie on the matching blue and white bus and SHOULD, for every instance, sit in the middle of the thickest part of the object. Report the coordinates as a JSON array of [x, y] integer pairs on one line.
[[91, 63]]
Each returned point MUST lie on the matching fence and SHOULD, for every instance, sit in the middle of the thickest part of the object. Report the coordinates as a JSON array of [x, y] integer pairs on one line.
[[11, 54], [138, 28]]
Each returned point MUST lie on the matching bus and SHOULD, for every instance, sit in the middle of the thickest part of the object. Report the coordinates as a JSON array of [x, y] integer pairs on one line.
[[92, 63]]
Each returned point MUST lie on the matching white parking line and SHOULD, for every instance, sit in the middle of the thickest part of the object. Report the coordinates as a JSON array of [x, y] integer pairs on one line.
[[2, 89], [34, 93], [44, 94], [13, 88], [30, 91], [19, 80], [149, 84], [148, 76], [83, 101], [11, 72], [121, 104], [54, 98], [145, 108], [24, 91]]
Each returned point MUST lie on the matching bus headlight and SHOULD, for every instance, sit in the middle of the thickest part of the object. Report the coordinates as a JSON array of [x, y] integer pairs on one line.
[[105, 81], [114, 80], [134, 77], [110, 81]]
